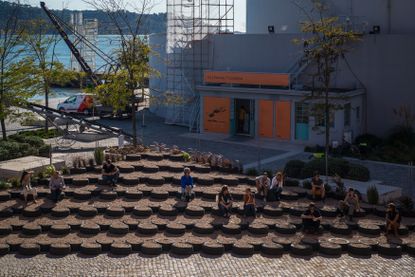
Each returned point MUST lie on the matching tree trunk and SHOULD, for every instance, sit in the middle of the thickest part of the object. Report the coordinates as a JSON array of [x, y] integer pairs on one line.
[[134, 121], [3, 128], [47, 105], [327, 148]]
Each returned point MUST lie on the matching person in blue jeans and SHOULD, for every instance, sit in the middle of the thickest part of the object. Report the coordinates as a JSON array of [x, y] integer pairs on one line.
[[249, 203], [225, 202], [186, 183], [311, 219]]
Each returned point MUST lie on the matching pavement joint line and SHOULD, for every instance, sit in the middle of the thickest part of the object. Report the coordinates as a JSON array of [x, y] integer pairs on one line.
[[272, 159]]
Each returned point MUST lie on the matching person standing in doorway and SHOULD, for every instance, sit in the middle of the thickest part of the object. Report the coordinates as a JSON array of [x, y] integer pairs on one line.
[[241, 119]]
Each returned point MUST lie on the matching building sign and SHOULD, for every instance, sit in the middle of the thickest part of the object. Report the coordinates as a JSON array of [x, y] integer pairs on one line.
[[216, 114], [247, 78]]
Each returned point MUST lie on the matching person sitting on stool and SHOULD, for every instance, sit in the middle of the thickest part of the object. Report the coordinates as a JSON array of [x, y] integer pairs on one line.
[[110, 173], [352, 201], [311, 219], [276, 187], [262, 185], [317, 186], [225, 202], [249, 203], [56, 184], [186, 183]]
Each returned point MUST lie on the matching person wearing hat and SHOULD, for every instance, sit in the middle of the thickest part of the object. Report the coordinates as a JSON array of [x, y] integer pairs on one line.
[[276, 186], [262, 185], [393, 219], [27, 187], [311, 219]]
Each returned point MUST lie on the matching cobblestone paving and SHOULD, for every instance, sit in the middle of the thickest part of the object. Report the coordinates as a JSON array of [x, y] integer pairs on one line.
[[197, 265]]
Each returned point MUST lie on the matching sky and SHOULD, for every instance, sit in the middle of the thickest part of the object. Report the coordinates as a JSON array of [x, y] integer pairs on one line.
[[160, 6]]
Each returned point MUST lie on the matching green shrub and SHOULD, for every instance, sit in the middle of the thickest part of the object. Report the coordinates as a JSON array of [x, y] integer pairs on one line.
[[372, 195], [48, 170], [293, 168], [371, 140], [291, 182], [251, 172], [99, 156], [358, 172], [15, 183], [307, 184], [44, 151], [186, 156], [406, 203], [65, 170], [32, 140], [5, 185]]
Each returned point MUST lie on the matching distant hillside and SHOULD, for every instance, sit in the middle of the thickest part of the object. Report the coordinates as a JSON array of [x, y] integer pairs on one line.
[[152, 23]]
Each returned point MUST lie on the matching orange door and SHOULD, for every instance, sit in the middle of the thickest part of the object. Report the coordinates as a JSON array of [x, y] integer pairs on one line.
[[265, 118], [216, 114], [283, 114]]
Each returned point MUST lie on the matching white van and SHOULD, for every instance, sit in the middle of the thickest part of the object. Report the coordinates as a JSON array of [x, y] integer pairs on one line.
[[78, 103]]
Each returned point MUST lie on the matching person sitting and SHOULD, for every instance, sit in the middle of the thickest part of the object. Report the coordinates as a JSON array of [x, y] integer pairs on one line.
[[393, 219], [343, 209], [27, 187], [56, 184], [225, 202], [352, 201], [317, 186], [262, 185], [110, 173], [186, 183], [311, 219], [340, 191], [249, 203], [275, 189]]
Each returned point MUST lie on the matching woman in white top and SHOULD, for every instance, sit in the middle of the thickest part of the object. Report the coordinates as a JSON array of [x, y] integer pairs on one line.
[[276, 186], [27, 187]]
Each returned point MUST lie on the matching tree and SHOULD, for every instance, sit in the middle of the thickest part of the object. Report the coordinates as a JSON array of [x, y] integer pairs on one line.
[[16, 82], [121, 86], [41, 49], [326, 41]]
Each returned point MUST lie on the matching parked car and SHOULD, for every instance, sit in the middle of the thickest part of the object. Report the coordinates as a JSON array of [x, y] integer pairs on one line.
[[78, 103]]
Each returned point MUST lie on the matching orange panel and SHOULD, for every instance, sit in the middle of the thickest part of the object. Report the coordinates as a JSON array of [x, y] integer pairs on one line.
[[265, 118], [216, 114], [283, 113], [247, 78]]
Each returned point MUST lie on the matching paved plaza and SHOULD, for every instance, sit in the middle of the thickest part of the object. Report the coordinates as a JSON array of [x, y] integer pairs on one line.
[[201, 265]]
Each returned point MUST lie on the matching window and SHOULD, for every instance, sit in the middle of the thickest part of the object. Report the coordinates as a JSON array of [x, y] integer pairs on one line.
[[71, 99], [301, 112], [347, 114]]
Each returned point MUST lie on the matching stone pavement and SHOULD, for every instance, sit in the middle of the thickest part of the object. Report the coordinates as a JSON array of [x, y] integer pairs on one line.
[[202, 265]]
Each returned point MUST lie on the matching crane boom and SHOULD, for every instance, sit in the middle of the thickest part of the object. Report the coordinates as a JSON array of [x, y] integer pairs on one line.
[[84, 65]]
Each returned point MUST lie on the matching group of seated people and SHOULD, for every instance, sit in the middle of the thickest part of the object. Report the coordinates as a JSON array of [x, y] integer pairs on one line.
[[269, 190]]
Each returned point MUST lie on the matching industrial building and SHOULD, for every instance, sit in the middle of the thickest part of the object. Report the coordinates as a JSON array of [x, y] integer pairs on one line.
[[255, 84]]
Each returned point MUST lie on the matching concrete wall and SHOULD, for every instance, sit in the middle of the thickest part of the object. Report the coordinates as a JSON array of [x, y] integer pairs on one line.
[[158, 61], [385, 64], [285, 15]]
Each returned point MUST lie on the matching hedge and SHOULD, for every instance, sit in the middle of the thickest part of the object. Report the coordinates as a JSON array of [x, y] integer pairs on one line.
[[20, 145], [302, 170]]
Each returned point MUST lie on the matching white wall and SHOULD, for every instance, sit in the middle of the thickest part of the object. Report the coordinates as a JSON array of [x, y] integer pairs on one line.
[[385, 64], [285, 15]]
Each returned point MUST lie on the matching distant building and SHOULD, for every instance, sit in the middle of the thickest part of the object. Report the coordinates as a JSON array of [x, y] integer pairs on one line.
[[255, 86]]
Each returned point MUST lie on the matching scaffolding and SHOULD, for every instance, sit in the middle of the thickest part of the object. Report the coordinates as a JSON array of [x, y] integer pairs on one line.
[[88, 30], [189, 26]]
